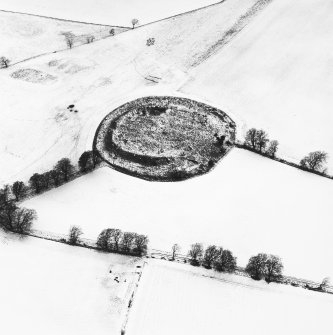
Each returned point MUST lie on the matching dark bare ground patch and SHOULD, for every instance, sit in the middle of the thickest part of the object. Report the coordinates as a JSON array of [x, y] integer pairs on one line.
[[164, 138]]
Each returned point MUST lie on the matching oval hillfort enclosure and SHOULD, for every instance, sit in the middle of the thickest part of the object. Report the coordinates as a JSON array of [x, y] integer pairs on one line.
[[164, 138]]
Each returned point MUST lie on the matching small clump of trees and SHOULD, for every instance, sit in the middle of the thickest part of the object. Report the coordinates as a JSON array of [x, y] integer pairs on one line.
[[314, 161], [13, 218], [90, 39], [264, 266], [74, 235], [217, 258], [4, 62], [257, 140], [129, 243]]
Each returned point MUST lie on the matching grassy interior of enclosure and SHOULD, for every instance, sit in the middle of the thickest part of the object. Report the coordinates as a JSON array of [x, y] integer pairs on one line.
[[165, 139]]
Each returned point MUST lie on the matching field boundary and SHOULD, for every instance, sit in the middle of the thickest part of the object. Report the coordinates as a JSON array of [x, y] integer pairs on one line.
[[240, 271], [64, 20], [283, 161]]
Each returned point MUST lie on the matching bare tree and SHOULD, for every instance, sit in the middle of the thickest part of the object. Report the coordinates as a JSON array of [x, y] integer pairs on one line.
[[272, 148], [225, 261], [250, 138], [140, 244], [127, 242], [4, 62], [210, 256], [19, 190], [195, 254], [36, 182], [273, 268], [115, 238], [261, 140], [86, 161], [55, 177], [7, 215], [256, 266], [65, 168], [325, 283], [134, 22], [90, 38], [69, 38], [256, 139], [74, 234], [314, 161], [103, 240], [174, 250], [5, 195], [23, 220]]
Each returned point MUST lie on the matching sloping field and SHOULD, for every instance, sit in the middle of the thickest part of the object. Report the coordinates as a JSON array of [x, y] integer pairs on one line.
[[248, 204], [277, 74], [36, 128], [51, 288], [106, 11], [24, 36], [177, 299]]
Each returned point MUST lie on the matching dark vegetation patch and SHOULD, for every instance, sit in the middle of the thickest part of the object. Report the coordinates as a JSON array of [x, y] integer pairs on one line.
[[164, 138]]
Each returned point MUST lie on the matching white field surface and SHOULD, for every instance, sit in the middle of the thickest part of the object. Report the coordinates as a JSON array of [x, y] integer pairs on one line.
[[248, 204], [113, 12], [179, 299], [52, 288], [25, 36], [36, 128], [277, 74]]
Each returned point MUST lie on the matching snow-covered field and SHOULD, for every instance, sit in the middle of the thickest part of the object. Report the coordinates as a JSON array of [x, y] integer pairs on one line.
[[36, 128], [52, 288], [248, 204], [113, 12], [24, 36], [178, 299], [278, 74], [35, 132]]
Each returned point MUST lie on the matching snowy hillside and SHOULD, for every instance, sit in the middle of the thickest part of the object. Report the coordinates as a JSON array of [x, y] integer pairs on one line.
[[106, 11], [178, 299], [51, 288], [24, 36], [248, 204], [97, 78], [277, 74]]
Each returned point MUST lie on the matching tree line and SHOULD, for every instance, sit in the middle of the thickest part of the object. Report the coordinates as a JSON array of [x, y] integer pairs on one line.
[[257, 140], [19, 220], [115, 240], [262, 266]]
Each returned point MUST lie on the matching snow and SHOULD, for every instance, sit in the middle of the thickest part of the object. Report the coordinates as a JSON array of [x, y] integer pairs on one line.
[[177, 299], [25, 36], [115, 12], [248, 204], [277, 74], [36, 128], [52, 288]]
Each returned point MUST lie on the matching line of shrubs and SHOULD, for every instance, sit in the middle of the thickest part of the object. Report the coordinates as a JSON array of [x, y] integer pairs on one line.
[[114, 240], [19, 219], [261, 266], [256, 140]]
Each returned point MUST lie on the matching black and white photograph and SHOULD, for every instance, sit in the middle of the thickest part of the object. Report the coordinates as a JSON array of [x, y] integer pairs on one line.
[[166, 167]]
